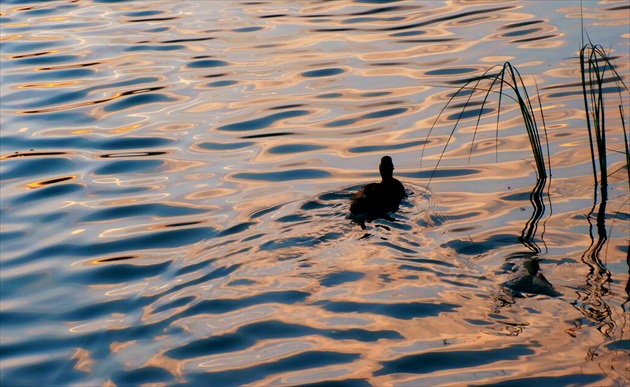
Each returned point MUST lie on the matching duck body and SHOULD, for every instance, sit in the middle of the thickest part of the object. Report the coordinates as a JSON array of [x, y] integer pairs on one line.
[[376, 200]]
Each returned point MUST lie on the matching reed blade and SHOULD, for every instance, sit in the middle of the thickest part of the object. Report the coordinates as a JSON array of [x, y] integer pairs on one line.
[[508, 79], [595, 63]]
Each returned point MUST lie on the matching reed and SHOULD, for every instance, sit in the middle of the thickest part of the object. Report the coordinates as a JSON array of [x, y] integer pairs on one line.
[[596, 70], [595, 67], [506, 79]]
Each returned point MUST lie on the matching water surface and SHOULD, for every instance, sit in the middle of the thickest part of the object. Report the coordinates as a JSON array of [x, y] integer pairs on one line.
[[176, 178]]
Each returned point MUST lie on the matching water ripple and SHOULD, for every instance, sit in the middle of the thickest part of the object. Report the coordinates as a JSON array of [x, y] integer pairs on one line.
[[176, 180]]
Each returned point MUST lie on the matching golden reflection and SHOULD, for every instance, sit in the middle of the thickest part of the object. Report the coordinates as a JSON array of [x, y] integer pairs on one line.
[[127, 290], [84, 361], [43, 183], [117, 347], [179, 126], [14, 25], [127, 201], [203, 107], [359, 369], [474, 153], [174, 367], [544, 44], [149, 182], [560, 114], [96, 326], [114, 259], [260, 353], [417, 52], [211, 193], [128, 128], [127, 231], [48, 85], [10, 37], [496, 59], [428, 283], [225, 323]]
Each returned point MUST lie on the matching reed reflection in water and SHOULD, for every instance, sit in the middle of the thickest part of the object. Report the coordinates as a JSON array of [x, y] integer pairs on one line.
[[176, 178]]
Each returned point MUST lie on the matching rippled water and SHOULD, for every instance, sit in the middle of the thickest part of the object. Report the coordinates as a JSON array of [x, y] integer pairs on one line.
[[176, 178]]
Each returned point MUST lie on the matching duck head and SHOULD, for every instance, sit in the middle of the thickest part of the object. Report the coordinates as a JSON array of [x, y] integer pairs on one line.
[[386, 168]]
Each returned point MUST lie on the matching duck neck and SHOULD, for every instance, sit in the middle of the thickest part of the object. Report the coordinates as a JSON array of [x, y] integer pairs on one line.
[[386, 172]]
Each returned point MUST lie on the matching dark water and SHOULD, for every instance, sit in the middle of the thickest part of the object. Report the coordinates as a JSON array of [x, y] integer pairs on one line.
[[176, 178]]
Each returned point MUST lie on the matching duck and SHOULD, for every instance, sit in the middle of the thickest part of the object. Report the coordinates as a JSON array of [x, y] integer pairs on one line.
[[377, 200]]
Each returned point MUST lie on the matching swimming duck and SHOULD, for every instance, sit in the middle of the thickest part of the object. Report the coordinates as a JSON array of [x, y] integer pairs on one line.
[[376, 200]]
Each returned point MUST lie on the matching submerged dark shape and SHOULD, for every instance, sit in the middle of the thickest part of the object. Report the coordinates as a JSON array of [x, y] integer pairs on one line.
[[377, 200], [527, 278]]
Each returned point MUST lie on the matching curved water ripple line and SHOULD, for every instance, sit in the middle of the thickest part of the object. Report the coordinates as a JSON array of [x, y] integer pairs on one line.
[[176, 179]]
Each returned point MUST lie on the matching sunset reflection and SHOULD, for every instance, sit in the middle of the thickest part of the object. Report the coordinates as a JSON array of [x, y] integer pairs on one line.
[[177, 178]]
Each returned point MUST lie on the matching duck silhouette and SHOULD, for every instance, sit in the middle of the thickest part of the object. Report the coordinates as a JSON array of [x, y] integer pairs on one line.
[[377, 200]]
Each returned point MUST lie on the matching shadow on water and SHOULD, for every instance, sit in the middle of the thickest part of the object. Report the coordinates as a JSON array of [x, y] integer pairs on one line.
[[526, 274], [595, 289]]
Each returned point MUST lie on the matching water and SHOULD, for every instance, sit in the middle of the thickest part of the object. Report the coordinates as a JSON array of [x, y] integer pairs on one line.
[[176, 178]]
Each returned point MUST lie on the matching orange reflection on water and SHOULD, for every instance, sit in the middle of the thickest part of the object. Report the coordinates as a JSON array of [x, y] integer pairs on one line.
[[259, 150], [43, 183], [84, 362]]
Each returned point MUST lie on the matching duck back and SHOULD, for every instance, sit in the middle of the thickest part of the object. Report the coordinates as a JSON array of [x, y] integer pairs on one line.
[[378, 198]]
